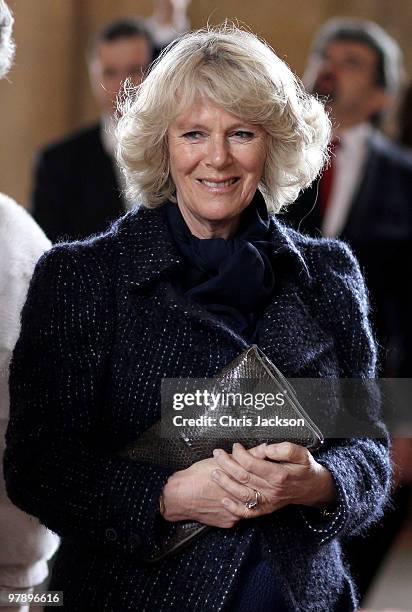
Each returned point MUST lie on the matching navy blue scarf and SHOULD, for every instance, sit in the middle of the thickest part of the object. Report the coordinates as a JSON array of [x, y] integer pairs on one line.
[[233, 279]]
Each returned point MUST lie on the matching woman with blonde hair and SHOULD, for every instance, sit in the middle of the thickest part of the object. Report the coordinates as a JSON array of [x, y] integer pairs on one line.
[[217, 139]]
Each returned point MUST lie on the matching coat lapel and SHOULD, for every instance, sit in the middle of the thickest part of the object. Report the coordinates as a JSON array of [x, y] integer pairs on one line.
[[289, 333], [148, 259]]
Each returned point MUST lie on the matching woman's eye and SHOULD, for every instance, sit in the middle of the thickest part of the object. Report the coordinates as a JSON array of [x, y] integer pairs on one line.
[[192, 135], [243, 135]]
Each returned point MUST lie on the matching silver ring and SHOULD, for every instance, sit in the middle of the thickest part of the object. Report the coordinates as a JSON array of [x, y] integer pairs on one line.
[[253, 503]]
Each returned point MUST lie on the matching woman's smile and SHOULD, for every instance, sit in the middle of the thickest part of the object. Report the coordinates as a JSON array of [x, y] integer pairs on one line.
[[219, 185]]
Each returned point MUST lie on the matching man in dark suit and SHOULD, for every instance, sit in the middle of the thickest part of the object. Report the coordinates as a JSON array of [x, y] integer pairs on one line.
[[365, 198], [77, 185]]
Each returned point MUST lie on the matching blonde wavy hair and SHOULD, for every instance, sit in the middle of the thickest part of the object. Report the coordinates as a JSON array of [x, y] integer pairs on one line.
[[239, 72]]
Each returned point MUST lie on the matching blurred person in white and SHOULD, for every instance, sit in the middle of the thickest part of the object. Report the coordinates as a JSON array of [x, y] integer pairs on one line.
[[25, 544], [77, 187], [168, 21]]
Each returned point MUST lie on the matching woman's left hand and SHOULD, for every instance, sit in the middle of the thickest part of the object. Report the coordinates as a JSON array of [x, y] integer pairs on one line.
[[283, 473]]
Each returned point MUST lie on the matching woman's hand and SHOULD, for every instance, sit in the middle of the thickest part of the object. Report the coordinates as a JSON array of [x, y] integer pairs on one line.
[[291, 476], [191, 494]]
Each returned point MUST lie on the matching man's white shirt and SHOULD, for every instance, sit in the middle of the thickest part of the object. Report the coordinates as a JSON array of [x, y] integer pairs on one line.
[[348, 169]]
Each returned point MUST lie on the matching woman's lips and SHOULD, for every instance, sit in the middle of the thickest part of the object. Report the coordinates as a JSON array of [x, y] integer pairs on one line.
[[219, 185]]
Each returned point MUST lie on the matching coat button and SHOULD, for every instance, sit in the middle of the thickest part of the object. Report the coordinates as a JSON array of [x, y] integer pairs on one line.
[[111, 534], [135, 540]]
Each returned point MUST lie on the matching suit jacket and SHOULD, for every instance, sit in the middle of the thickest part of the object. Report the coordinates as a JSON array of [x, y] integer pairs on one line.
[[76, 191], [379, 230], [101, 327]]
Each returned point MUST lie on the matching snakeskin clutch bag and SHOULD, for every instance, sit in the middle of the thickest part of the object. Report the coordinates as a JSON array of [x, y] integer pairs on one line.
[[165, 446]]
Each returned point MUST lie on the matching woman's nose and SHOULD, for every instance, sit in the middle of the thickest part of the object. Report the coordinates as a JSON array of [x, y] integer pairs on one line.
[[218, 154]]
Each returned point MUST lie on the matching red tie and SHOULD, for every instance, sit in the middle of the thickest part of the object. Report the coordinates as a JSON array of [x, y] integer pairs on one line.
[[326, 180]]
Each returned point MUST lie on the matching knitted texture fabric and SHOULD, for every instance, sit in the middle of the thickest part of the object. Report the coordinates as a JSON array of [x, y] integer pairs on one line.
[[101, 326]]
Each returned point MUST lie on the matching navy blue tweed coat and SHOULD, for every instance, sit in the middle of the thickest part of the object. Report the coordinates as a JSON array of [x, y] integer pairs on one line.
[[102, 325]]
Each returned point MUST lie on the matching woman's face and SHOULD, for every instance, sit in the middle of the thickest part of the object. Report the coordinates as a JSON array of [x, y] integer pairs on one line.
[[216, 162]]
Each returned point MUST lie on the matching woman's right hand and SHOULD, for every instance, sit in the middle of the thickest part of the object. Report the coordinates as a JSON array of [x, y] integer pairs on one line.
[[192, 494]]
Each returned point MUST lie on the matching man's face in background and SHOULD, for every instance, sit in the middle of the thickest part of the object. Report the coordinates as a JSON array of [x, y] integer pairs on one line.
[[6, 39], [346, 73], [115, 61]]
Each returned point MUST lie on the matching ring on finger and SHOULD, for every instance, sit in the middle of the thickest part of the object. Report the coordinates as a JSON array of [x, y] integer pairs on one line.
[[252, 504]]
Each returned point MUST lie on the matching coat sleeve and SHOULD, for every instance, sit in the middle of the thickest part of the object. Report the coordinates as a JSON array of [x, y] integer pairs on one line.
[[54, 466], [359, 466]]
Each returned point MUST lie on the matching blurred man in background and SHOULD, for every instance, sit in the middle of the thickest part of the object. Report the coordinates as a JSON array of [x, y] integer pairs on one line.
[[77, 185], [25, 545], [364, 197]]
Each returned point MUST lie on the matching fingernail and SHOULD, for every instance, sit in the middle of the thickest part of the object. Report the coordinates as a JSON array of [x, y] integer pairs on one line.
[[234, 446], [225, 502], [216, 452], [215, 474]]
